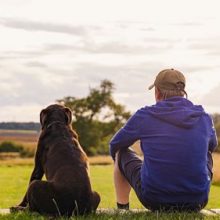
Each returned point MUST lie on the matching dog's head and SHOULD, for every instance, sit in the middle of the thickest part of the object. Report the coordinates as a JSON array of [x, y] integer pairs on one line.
[[55, 113]]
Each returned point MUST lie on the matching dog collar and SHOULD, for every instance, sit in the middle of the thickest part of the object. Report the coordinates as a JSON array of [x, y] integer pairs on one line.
[[54, 122]]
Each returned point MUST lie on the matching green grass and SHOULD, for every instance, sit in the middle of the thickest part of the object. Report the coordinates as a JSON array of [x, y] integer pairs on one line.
[[117, 216], [14, 181]]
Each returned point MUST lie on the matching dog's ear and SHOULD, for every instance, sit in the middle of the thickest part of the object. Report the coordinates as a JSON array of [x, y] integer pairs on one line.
[[43, 115], [68, 114]]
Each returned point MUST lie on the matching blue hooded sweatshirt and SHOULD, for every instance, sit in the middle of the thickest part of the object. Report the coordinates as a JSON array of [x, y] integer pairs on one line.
[[175, 138]]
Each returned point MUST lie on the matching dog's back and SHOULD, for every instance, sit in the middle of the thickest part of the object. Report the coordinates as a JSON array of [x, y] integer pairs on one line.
[[67, 190]]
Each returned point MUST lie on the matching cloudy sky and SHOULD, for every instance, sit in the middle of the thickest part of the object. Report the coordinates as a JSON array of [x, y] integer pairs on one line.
[[50, 49]]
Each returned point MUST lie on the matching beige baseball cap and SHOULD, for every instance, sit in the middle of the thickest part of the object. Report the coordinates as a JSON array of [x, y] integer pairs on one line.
[[169, 79]]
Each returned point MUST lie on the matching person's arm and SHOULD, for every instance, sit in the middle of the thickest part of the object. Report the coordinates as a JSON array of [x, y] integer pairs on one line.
[[127, 135]]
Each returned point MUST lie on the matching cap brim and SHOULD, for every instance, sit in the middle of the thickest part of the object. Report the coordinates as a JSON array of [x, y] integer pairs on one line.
[[151, 87]]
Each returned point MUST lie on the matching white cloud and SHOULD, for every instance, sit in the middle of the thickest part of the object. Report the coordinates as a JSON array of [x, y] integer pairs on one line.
[[42, 26], [21, 113], [72, 46]]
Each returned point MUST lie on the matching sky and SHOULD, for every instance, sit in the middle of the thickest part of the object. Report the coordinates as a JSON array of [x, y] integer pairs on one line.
[[50, 49]]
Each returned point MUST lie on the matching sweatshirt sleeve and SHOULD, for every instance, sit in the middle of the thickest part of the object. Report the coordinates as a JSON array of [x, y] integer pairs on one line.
[[126, 136]]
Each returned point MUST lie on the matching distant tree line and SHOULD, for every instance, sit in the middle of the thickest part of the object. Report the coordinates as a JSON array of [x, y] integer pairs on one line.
[[20, 126]]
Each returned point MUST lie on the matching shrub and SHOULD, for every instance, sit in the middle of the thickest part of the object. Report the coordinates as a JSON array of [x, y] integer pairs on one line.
[[218, 147], [10, 147]]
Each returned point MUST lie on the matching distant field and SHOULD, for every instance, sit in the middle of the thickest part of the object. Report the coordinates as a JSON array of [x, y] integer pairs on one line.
[[29, 139], [216, 168], [21, 136]]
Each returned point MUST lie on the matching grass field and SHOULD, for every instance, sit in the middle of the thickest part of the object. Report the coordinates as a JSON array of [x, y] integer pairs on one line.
[[21, 136], [14, 180]]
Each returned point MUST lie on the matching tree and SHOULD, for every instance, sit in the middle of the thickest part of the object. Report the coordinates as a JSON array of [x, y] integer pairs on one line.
[[96, 117], [216, 120]]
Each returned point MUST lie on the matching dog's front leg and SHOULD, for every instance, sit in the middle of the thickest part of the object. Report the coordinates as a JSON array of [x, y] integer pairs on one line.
[[37, 174]]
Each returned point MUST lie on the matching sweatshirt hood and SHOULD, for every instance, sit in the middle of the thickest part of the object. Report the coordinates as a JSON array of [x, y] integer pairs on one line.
[[177, 111]]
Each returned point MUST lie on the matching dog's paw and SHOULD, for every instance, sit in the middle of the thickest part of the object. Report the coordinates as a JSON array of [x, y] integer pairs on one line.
[[17, 208]]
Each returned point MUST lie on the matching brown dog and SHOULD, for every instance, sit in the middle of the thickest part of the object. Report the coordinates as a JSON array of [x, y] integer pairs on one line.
[[59, 156]]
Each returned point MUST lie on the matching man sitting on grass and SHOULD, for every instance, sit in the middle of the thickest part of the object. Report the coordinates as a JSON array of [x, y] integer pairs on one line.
[[177, 139]]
